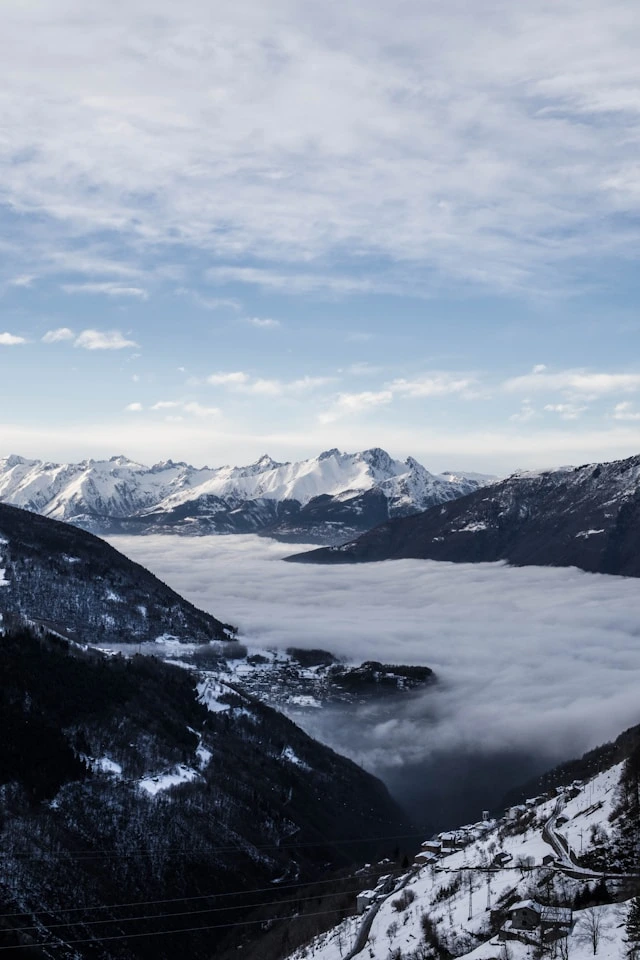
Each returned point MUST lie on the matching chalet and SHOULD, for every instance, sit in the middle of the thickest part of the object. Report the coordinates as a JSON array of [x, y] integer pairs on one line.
[[530, 920], [514, 812], [364, 900], [432, 846], [424, 857]]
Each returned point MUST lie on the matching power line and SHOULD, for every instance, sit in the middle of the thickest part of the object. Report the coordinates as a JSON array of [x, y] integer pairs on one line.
[[164, 933], [201, 896], [143, 852], [185, 913]]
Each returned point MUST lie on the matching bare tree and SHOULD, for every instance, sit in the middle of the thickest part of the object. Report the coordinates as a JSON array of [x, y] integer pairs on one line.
[[592, 928]]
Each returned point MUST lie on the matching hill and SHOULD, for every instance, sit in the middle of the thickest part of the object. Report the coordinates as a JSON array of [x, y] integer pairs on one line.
[[66, 579], [135, 800]]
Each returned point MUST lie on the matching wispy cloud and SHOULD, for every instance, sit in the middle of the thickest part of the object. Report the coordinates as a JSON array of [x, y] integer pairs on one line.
[[263, 386], [347, 404], [433, 385], [499, 169], [584, 383], [11, 340], [134, 407], [191, 407], [108, 289], [625, 411], [103, 340], [58, 336], [264, 323], [567, 411]]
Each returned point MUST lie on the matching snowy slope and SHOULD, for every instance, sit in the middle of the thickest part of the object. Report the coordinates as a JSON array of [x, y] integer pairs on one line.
[[100, 494], [458, 902]]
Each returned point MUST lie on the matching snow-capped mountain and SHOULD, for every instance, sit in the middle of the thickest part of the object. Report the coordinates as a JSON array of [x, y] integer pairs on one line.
[[552, 876], [325, 498], [587, 516]]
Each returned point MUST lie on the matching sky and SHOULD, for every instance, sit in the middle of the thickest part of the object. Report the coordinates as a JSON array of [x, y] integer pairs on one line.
[[236, 228], [515, 675]]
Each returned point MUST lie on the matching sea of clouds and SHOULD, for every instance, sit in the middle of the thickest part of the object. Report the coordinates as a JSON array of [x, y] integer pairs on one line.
[[533, 662]]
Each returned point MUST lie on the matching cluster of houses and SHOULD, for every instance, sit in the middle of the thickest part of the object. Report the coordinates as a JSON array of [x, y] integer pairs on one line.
[[528, 920]]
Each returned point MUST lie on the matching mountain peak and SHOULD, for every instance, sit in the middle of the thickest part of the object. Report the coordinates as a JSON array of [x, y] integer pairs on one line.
[[327, 454]]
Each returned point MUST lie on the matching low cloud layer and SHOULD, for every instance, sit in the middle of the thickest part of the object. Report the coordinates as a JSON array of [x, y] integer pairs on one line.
[[530, 660]]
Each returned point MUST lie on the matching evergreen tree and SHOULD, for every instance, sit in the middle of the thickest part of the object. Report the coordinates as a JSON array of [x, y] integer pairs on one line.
[[633, 929]]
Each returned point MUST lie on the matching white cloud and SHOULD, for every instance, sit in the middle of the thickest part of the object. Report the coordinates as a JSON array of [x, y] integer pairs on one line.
[[348, 404], [103, 340], [625, 411], [24, 280], [134, 407], [209, 303], [109, 289], [228, 379], [567, 411], [526, 413], [264, 323], [191, 407], [500, 169], [264, 386], [584, 383], [198, 410], [433, 385], [58, 336], [10, 339]]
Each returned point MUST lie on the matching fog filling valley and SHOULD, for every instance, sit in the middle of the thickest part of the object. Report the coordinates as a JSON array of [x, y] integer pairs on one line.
[[534, 664]]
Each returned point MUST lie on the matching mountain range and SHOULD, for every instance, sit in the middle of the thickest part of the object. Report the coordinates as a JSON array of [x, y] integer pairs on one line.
[[587, 516], [324, 499]]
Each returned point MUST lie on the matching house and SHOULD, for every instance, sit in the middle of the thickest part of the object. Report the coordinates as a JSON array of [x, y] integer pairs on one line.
[[432, 846], [502, 859], [385, 884], [514, 812], [530, 920], [364, 900], [423, 858]]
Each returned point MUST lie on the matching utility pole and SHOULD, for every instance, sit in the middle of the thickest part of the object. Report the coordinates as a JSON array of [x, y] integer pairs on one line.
[[470, 917]]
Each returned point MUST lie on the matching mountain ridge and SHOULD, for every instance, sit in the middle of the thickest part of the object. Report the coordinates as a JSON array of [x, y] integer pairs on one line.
[[586, 516], [323, 497]]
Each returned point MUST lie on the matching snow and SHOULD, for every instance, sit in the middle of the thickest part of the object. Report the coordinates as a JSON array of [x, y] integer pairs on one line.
[[204, 756], [106, 765], [588, 533], [290, 756], [3, 578], [120, 487], [472, 527], [304, 700], [458, 891], [179, 774], [209, 692]]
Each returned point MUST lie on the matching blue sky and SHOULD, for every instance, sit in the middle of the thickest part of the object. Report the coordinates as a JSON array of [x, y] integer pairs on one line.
[[236, 228]]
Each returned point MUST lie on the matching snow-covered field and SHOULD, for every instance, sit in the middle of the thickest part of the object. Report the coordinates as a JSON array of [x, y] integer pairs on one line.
[[528, 658]]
